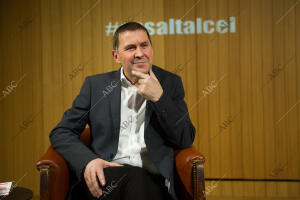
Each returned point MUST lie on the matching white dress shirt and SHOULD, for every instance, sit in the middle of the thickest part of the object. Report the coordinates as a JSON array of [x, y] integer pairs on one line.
[[132, 148]]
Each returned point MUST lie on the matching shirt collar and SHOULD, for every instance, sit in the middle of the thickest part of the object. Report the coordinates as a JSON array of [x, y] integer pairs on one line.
[[124, 81]]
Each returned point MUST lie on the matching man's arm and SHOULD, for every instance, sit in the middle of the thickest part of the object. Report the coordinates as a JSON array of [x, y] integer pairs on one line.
[[174, 118], [171, 110], [65, 137]]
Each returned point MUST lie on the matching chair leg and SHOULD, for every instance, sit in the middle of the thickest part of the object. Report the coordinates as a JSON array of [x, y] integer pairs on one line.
[[198, 180], [44, 182]]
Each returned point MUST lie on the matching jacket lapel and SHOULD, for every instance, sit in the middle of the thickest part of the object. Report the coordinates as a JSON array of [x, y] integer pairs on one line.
[[115, 102]]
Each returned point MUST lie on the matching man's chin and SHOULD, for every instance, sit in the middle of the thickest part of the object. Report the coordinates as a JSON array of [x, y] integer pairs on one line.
[[142, 68]]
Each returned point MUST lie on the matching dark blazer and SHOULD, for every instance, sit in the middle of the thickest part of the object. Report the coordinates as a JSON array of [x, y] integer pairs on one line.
[[167, 124]]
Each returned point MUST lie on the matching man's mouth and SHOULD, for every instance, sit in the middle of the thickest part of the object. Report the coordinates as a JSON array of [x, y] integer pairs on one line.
[[139, 62]]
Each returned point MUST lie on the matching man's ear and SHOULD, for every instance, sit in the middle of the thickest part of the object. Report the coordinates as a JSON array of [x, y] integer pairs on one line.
[[116, 56]]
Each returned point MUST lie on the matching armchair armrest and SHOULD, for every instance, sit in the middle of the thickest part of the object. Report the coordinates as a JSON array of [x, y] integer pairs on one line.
[[54, 176], [189, 165]]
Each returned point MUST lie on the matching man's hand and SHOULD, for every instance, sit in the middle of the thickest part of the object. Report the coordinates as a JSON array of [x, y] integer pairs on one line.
[[94, 172], [148, 86]]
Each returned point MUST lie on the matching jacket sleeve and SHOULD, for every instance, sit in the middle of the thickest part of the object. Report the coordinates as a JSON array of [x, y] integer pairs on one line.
[[174, 118], [65, 137]]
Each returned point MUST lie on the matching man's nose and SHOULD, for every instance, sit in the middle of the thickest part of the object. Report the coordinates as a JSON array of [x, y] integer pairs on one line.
[[139, 52]]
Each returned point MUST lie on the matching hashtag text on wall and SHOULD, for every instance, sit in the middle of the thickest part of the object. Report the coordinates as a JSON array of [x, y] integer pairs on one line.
[[177, 26]]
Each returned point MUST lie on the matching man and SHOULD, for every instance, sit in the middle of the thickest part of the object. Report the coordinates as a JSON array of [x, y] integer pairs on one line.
[[137, 118]]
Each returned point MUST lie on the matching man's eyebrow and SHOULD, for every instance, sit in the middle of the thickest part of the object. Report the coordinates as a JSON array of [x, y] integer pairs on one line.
[[129, 45], [134, 45], [145, 42]]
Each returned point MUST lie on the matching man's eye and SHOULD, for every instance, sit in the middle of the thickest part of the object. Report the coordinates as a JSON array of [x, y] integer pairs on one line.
[[130, 48]]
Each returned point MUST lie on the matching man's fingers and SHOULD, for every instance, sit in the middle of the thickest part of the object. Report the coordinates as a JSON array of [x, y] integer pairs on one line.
[[94, 176], [110, 164], [101, 177], [141, 81], [94, 186], [152, 74]]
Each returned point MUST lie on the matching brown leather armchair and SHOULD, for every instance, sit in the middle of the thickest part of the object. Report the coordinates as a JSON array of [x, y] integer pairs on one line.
[[54, 174]]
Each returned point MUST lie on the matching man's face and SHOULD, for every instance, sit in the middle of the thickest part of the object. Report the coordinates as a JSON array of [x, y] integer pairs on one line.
[[135, 52]]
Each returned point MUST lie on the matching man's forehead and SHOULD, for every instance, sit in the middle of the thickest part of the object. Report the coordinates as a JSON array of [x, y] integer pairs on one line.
[[133, 37]]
